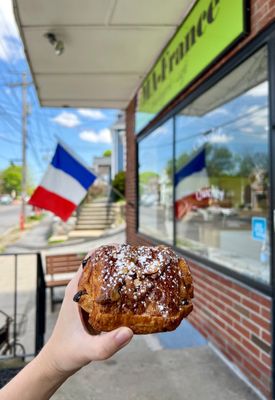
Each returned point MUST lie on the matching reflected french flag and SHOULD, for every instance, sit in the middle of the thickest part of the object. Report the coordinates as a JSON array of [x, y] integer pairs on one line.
[[64, 184], [189, 181]]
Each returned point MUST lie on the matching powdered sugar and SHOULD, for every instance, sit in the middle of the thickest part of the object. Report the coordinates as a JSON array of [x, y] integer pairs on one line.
[[141, 276]]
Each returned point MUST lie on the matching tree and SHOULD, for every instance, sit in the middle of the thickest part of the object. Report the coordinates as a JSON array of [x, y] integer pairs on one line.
[[249, 162], [11, 178], [146, 176], [220, 161], [118, 183], [107, 153]]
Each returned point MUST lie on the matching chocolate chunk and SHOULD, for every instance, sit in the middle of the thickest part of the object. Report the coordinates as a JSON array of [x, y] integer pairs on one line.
[[77, 296], [84, 262]]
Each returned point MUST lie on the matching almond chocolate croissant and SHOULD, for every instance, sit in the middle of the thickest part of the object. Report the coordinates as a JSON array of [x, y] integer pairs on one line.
[[148, 289]]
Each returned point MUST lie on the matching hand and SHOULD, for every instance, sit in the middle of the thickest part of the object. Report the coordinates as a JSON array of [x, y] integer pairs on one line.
[[71, 346]]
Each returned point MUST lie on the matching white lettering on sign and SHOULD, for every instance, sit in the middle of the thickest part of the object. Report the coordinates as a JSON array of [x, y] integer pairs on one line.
[[212, 192]]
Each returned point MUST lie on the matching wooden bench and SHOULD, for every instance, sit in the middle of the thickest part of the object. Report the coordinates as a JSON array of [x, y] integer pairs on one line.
[[60, 264]]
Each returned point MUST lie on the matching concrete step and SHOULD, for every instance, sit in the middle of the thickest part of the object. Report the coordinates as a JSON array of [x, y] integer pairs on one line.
[[91, 227], [95, 221], [92, 224], [85, 233], [99, 211], [97, 205], [106, 209], [96, 216]]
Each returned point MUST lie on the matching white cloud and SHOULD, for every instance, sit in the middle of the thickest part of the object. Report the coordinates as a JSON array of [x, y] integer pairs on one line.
[[103, 136], [247, 129], [67, 119], [259, 91], [11, 47], [91, 113], [219, 111], [219, 138]]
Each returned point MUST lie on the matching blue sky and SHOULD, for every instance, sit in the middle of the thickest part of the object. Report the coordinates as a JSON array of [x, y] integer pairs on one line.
[[241, 125], [84, 130]]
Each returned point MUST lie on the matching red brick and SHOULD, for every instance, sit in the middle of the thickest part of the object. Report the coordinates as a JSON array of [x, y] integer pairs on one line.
[[266, 313], [225, 299], [244, 311], [237, 356], [226, 318], [241, 289], [266, 336], [251, 347], [252, 368], [265, 370], [233, 294], [233, 314], [218, 303], [252, 327], [261, 322], [244, 332], [251, 305], [266, 360]]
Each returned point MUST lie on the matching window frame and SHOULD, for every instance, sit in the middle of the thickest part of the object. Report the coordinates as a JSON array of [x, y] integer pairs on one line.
[[266, 38]]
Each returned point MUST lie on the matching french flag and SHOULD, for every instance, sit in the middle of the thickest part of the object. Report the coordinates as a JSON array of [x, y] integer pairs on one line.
[[190, 182], [64, 184]]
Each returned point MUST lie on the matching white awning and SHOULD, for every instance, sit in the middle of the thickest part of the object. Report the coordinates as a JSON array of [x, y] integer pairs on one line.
[[109, 46]]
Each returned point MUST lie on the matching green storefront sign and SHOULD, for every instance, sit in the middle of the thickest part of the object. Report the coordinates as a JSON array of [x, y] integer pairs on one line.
[[210, 28]]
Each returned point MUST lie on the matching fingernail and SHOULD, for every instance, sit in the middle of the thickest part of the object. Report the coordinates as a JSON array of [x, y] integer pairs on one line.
[[123, 336]]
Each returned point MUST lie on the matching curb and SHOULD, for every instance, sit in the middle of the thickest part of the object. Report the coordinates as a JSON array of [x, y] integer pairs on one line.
[[74, 242]]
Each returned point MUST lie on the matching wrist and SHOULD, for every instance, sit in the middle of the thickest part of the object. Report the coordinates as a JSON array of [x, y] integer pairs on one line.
[[50, 365]]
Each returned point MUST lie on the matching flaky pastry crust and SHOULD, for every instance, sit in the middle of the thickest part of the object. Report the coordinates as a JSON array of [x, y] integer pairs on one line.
[[148, 289]]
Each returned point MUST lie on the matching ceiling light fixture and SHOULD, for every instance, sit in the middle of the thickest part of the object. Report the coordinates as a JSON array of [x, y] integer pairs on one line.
[[57, 44]]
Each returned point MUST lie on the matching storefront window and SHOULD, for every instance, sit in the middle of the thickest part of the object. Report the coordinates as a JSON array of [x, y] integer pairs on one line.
[[155, 183], [222, 180]]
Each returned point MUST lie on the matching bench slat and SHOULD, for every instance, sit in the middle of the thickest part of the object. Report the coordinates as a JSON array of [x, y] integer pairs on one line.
[[62, 270], [54, 283], [63, 263]]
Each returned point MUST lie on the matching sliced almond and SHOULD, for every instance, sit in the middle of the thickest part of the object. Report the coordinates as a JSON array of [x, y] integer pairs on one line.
[[183, 292], [152, 269], [114, 295], [103, 298], [137, 283]]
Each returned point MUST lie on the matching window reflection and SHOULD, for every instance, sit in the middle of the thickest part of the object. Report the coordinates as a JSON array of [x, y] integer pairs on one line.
[[155, 183], [221, 180]]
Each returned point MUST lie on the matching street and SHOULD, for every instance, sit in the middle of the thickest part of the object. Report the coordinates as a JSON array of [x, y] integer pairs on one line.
[[9, 216]]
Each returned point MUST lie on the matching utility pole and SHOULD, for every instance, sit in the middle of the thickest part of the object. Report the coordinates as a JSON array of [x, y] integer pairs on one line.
[[24, 144], [24, 85]]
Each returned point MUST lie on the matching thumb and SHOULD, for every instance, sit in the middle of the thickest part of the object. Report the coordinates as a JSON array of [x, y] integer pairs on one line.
[[106, 344]]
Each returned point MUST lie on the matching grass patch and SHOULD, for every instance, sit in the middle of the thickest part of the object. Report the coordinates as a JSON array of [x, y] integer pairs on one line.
[[56, 242], [35, 218]]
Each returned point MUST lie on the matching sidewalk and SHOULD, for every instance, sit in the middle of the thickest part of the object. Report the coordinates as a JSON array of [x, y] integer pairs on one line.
[[168, 366], [140, 373]]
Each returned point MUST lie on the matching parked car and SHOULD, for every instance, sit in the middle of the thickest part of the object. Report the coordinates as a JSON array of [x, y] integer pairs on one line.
[[6, 199]]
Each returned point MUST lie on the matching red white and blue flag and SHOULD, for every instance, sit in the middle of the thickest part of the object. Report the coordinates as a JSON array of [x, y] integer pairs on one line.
[[64, 184], [192, 183]]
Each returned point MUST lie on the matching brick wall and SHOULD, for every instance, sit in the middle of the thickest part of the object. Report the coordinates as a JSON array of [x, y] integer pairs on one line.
[[235, 318]]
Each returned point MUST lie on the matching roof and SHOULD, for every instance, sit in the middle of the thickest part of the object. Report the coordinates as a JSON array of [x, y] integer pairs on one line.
[[109, 47]]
